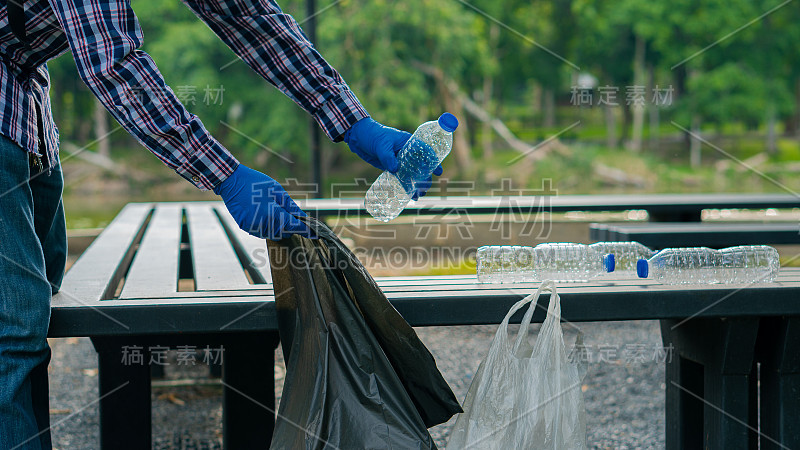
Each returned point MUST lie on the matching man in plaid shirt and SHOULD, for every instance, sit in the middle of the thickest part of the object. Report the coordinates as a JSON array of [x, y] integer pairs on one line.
[[104, 37]]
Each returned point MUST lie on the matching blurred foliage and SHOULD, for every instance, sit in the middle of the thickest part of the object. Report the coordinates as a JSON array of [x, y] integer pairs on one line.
[[733, 93], [730, 72]]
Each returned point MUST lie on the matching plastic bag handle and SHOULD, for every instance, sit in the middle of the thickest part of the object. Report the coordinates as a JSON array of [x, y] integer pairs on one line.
[[517, 306], [530, 298], [553, 309]]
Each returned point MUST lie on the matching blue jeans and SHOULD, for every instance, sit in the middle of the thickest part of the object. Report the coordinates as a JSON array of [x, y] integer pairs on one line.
[[33, 250]]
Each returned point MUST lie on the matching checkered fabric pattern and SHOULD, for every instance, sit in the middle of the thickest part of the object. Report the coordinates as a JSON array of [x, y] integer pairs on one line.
[[105, 39]]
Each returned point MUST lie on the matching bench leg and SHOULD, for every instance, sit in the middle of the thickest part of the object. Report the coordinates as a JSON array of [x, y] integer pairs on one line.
[[780, 382], [708, 382], [726, 414], [124, 397], [684, 412], [214, 370], [248, 395]]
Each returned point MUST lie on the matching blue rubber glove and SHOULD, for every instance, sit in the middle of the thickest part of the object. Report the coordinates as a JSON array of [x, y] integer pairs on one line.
[[378, 145], [260, 205]]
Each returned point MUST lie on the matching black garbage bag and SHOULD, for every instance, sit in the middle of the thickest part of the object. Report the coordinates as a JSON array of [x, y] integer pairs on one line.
[[357, 374]]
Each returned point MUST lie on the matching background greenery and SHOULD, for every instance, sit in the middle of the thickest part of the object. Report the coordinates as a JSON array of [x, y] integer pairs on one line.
[[512, 62]]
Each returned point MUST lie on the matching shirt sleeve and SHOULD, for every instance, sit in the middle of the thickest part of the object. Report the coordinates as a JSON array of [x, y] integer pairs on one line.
[[105, 36], [273, 45]]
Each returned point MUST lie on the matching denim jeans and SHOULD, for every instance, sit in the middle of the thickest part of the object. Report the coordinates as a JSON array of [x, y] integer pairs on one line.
[[33, 250]]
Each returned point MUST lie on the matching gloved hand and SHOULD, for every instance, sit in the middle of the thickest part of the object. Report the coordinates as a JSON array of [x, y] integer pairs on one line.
[[260, 205], [378, 145]]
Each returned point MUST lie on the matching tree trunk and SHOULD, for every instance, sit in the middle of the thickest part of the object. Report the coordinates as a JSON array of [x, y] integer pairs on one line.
[[101, 129], [471, 134], [638, 110], [654, 125], [488, 85], [611, 127], [694, 147], [772, 146], [653, 108], [549, 108], [536, 94], [626, 122], [461, 148], [486, 128], [796, 124], [791, 125]]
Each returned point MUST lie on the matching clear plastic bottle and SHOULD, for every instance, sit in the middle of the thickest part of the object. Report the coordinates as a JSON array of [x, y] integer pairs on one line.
[[626, 255], [505, 264], [549, 261], [701, 265], [750, 264], [427, 148]]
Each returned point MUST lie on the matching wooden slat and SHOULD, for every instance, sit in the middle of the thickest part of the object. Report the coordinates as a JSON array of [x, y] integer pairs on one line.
[[188, 302], [460, 282], [642, 295], [216, 265], [155, 267], [425, 277], [265, 291], [472, 283], [560, 203], [706, 234], [99, 268], [167, 318], [693, 227], [431, 286], [464, 306], [252, 249]]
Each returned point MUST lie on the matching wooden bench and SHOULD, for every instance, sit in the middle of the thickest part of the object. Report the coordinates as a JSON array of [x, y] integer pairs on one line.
[[124, 293], [714, 235]]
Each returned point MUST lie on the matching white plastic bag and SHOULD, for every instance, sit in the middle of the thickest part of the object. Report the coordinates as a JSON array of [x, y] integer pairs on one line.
[[523, 396]]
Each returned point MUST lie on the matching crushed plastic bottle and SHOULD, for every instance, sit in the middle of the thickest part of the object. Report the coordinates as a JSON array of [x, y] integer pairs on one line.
[[549, 261], [419, 157], [701, 265]]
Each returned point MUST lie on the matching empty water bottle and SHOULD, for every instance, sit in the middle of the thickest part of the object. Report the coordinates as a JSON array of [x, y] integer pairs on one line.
[[549, 261], [626, 255], [418, 158], [505, 264], [701, 265]]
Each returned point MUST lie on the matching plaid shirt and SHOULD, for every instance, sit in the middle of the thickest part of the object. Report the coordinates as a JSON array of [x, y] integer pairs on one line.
[[104, 36]]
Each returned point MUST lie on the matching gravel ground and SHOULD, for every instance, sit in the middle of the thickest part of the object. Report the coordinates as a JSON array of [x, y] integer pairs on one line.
[[623, 388]]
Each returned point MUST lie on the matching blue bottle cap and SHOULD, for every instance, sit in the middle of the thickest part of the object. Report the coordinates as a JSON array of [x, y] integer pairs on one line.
[[642, 268], [448, 122], [608, 262]]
